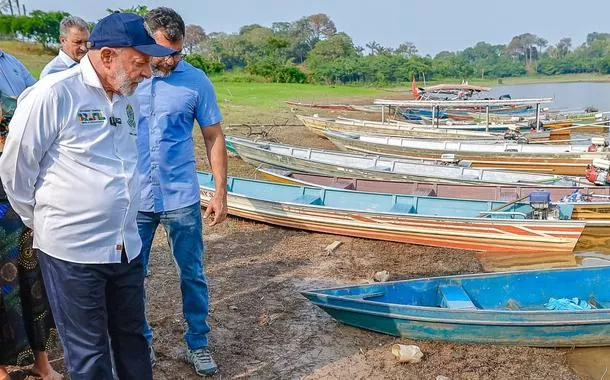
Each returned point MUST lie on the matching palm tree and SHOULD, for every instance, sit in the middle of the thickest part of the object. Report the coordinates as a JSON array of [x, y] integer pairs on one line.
[[374, 46]]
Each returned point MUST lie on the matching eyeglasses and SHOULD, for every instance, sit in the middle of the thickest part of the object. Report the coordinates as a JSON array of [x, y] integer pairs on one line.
[[177, 56]]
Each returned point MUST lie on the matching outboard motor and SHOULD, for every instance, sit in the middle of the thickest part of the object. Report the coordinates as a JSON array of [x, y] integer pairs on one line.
[[540, 201], [513, 133], [598, 172], [449, 159], [598, 144]]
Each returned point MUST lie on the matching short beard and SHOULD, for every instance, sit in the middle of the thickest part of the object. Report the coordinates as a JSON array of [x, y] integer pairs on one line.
[[123, 82], [160, 73]]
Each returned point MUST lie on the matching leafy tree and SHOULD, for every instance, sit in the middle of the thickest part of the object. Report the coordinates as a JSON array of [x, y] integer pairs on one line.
[[208, 66], [193, 36], [140, 10], [337, 46], [563, 47], [322, 26], [280, 27], [597, 36], [406, 49], [44, 26], [374, 46]]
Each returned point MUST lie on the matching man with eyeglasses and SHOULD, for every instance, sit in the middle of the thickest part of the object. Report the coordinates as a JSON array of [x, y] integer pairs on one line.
[[73, 37], [170, 102]]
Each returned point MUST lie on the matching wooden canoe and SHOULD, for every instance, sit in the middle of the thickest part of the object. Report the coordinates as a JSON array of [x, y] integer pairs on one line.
[[377, 167], [490, 308], [594, 203], [552, 159], [432, 221], [318, 125]]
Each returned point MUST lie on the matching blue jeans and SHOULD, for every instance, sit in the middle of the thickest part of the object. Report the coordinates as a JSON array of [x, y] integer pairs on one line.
[[185, 237]]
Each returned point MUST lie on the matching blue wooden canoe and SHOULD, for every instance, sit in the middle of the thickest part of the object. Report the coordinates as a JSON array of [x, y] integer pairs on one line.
[[499, 308]]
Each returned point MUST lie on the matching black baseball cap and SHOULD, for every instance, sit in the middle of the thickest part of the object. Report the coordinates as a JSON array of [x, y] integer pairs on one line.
[[126, 30]]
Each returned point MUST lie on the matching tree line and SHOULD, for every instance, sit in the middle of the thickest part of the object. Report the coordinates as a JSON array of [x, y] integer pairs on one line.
[[311, 49]]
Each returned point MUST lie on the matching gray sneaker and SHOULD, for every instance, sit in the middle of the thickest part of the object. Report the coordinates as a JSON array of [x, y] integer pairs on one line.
[[202, 361], [153, 357]]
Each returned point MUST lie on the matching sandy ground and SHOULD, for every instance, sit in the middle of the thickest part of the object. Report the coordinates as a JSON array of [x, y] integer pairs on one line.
[[262, 328]]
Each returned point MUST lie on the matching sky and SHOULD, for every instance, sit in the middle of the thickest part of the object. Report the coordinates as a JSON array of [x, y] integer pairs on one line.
[[432, 25]]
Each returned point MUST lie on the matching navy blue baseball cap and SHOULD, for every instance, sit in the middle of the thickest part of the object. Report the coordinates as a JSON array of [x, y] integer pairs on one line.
[[126, 30]]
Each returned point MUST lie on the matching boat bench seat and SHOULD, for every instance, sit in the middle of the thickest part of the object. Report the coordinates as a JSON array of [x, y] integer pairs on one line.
[[455, 297], [402, 208], [308, 199]]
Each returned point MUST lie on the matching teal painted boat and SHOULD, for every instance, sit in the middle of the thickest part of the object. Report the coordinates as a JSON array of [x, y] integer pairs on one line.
[[479, 225], [512, 308]]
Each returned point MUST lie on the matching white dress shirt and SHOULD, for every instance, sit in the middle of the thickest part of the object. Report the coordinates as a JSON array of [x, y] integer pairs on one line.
[[60, 63], [69, 167]]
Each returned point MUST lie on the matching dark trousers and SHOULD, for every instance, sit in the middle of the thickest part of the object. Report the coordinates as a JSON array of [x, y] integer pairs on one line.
[[91, 302]]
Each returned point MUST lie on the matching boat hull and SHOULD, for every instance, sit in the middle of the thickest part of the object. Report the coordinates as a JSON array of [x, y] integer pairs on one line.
[[559, 163], [318, 125], [492, 235], [381, 168], [582, 210], [500, 308], [466, 332]]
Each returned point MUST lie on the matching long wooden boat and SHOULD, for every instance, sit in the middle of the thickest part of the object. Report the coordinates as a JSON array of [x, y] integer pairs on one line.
[[335, 107], [440, 222], [318, 125], [589, 202], [492, 308], [555, 159], [377, 167]]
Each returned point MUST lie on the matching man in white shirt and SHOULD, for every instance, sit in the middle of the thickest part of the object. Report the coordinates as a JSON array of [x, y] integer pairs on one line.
[[69, 171], [73, 37]]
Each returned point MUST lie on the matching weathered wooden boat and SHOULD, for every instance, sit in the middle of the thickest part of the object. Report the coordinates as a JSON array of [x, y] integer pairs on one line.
[[588, 202], [336, 107], [319, 125], [377, 167], [441, 222], [555, 159], [498, 308]]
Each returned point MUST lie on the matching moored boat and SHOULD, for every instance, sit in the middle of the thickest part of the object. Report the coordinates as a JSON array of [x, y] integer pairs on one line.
[[319, 125], [588, 202], [544, 308], [378, 167], [442, 222], [555, 159]]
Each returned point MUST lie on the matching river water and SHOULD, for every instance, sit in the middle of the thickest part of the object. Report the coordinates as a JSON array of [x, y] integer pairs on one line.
[[566, 96]]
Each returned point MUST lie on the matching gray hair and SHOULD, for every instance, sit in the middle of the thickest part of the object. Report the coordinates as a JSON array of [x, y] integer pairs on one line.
[[71, 22], [166, 20]]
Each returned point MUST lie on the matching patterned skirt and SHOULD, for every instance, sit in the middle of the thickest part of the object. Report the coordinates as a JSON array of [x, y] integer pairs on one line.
[[26, 322]]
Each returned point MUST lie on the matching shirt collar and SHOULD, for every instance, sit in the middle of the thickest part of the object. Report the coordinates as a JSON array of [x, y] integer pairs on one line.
[[180, 67], [66, 59], [89, 75]]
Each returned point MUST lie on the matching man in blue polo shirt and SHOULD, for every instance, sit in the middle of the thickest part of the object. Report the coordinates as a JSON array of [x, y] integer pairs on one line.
[[170, 102], [14, 77]]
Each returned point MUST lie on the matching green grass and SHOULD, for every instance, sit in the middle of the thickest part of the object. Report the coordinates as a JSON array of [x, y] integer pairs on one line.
[[273, 95], [33, 56]]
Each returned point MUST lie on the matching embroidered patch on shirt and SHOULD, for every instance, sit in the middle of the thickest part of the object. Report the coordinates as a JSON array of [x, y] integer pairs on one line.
[[131, 120], [91, 116]]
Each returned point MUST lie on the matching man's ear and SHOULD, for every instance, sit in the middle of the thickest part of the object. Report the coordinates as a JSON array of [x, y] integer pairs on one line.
[[107, 55]]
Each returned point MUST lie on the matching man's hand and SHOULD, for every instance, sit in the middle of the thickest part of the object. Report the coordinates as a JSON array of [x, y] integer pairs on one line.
[[218, 207]]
